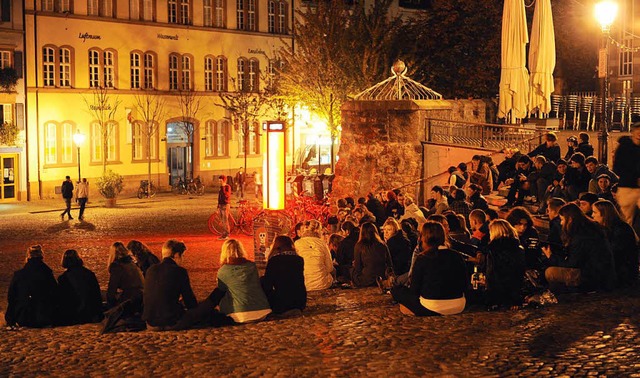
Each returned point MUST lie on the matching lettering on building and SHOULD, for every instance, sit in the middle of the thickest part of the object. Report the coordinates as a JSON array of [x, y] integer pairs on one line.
[[257, 51], [86, 36], [166, 36], [100, 107]]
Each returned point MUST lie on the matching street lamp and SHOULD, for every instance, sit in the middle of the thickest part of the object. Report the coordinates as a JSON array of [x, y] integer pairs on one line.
[[78, 139], [605, 13]]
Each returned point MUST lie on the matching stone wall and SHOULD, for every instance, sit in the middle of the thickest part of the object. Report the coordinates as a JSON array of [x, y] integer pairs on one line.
[[380, 147]]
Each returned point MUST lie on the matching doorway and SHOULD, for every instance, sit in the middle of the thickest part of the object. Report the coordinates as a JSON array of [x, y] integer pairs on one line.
[[179, 139], [8, 186]]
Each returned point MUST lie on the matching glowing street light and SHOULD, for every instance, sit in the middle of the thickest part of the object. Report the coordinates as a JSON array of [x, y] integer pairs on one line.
[[78, 139], [605, 12]]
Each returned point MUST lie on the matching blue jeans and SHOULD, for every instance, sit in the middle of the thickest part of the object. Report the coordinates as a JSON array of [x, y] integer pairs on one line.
[[223, 210]]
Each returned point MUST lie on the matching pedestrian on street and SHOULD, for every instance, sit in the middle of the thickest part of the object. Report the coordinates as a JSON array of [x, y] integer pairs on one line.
[[82, 196], [67, 195], [224, 202], [626, 164], [240, 182], [257, 177]]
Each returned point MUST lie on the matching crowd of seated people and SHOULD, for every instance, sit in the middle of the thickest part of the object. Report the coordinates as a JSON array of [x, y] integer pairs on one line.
[[428, 257]]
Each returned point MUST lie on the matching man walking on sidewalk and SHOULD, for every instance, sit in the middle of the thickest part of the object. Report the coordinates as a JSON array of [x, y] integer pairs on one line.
[[67, 195], [224, 202], [82, 196]]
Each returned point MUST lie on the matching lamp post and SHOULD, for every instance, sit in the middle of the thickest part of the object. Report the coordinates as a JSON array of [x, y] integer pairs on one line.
[[605, 13], [78, 139]]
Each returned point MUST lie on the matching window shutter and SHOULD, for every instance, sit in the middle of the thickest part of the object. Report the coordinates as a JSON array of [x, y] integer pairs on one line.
[[20, 116], [17, 63], [6, 10]]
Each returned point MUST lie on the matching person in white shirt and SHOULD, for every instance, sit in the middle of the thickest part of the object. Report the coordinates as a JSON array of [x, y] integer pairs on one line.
[[318, 266], [82, 196]]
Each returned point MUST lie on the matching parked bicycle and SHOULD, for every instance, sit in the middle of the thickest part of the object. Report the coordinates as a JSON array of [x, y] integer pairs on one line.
[[242, 222], [179, 186], [195, 187], [146, 190]]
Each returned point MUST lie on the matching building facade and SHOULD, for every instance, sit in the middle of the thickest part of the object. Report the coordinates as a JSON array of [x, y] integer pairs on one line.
[[91, 63]]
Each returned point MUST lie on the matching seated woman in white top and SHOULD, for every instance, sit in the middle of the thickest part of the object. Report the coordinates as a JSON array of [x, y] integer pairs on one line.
[[318, 267]]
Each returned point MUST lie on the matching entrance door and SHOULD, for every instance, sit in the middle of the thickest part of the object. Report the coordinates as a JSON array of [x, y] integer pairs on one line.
[[8, 186], [179, 139]]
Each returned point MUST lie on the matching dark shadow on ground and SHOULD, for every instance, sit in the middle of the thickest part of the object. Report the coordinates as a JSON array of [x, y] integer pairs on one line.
[[87, 226], [58, 227]]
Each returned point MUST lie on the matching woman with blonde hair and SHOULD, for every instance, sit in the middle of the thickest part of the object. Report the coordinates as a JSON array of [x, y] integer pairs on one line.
[[125, 278], [505, 265], [399, 246], [318, 267], [283, 280], [438, 280], [244, 301], [411, 210]]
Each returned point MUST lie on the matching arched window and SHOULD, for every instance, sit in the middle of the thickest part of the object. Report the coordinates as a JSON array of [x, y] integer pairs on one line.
[[173, 71], [145, 141], [57, 66], [241, 77], [208, 73], [246, 15], [135, 70], [48, 66], [108, 130], [221, 74], [102, 68], [149, 70], [58, 143]]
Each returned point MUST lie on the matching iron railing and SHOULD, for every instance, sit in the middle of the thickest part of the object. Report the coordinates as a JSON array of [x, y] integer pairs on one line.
[[482, 135]]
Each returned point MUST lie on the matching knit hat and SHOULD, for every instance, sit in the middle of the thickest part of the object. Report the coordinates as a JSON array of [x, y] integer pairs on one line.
[[604, 175]]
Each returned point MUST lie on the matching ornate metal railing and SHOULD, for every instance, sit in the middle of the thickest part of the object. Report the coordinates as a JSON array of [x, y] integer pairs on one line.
[[482, 135]]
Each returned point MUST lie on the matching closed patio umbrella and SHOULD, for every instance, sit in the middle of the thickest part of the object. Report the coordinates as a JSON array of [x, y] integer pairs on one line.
[[542, 57], [514, 77]]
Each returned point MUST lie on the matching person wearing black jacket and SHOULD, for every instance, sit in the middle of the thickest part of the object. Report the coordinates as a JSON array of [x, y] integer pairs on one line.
[[370, 257], [438, 280], [344, 254], [79, 299], [399, 246], [32, 293], [125, 278], [549, 149], [577, 178], [67, 195], [541, 177], [476, 199], [376, 208], [507, 169], [144, 257], [522, 221], [584, 147], [626, 164], [624, 241], [518, 184], [167, 292], [505, 265], [283, 280], [589, 263]]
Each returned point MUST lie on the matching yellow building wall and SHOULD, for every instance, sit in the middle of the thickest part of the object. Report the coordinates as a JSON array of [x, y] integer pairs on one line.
[[68, 104]]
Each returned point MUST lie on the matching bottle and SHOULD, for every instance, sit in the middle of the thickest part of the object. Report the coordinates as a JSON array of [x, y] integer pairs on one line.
[[475, 278]]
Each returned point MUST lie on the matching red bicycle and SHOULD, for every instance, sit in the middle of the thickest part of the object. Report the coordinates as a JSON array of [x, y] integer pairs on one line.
[[242, 222]]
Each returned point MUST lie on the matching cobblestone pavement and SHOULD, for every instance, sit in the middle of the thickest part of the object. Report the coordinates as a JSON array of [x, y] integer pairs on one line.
[[356, 332]]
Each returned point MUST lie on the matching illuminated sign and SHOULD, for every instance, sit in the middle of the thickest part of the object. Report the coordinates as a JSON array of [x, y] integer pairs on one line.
[[273, 166]]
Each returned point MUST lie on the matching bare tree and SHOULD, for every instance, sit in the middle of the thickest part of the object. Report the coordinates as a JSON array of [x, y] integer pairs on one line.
[[150, 108], [103, 107], [190, 106], [245, 108]]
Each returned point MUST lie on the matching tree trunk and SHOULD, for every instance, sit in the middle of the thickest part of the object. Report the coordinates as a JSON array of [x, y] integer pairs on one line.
[[148, 165]]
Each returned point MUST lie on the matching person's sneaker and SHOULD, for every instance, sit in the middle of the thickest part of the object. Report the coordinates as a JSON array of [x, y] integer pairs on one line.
[[223, 238], [61, 216], [70, 217]]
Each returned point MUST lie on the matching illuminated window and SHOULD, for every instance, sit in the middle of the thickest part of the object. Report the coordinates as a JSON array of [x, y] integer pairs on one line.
[[208, 73], [65, 68], [93, 8], [48, 66], [186, 72], [277, 17], [109, 69], [251, 15], [173, 11], [6, 113], [173, 71], [253, 81], [207, 13], [220, 10], [221, 74], [102, 68], [149, 70], [5, 59], [253, 138], [58, 143], [47, 5], [109, 131], [135, 70], [241, 74], [145, 141], [217, 138]]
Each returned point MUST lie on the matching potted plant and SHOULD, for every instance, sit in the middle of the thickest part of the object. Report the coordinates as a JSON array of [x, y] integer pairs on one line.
[[110, 185]]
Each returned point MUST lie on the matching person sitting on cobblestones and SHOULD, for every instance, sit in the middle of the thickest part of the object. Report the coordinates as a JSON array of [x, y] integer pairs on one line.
[[505, 265], [549, 149], [410, 228], [596, 170], [362, 215], [586, 202], [457, 227], [522, 221], [318, 267], [32, 293], [376, 208], [144, 257], [399, 246], [584, 147], [481, 174], [411, 210], [167, 291], [438, 194], [589, 263], [554, 239], [519, 186], [125, 279], [577, 178], [244, 300], [392, 208], [605, 189], [475, 198], [459, 205], [438, 280], [283, 280], [79, 299], [370, 257], [623, 240], [344, 253]]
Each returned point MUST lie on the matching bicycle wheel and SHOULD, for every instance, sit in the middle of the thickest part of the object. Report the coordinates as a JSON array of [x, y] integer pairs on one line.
[[245, 224], [140, 193], [200, 191], [153, 190], [215, 224]]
